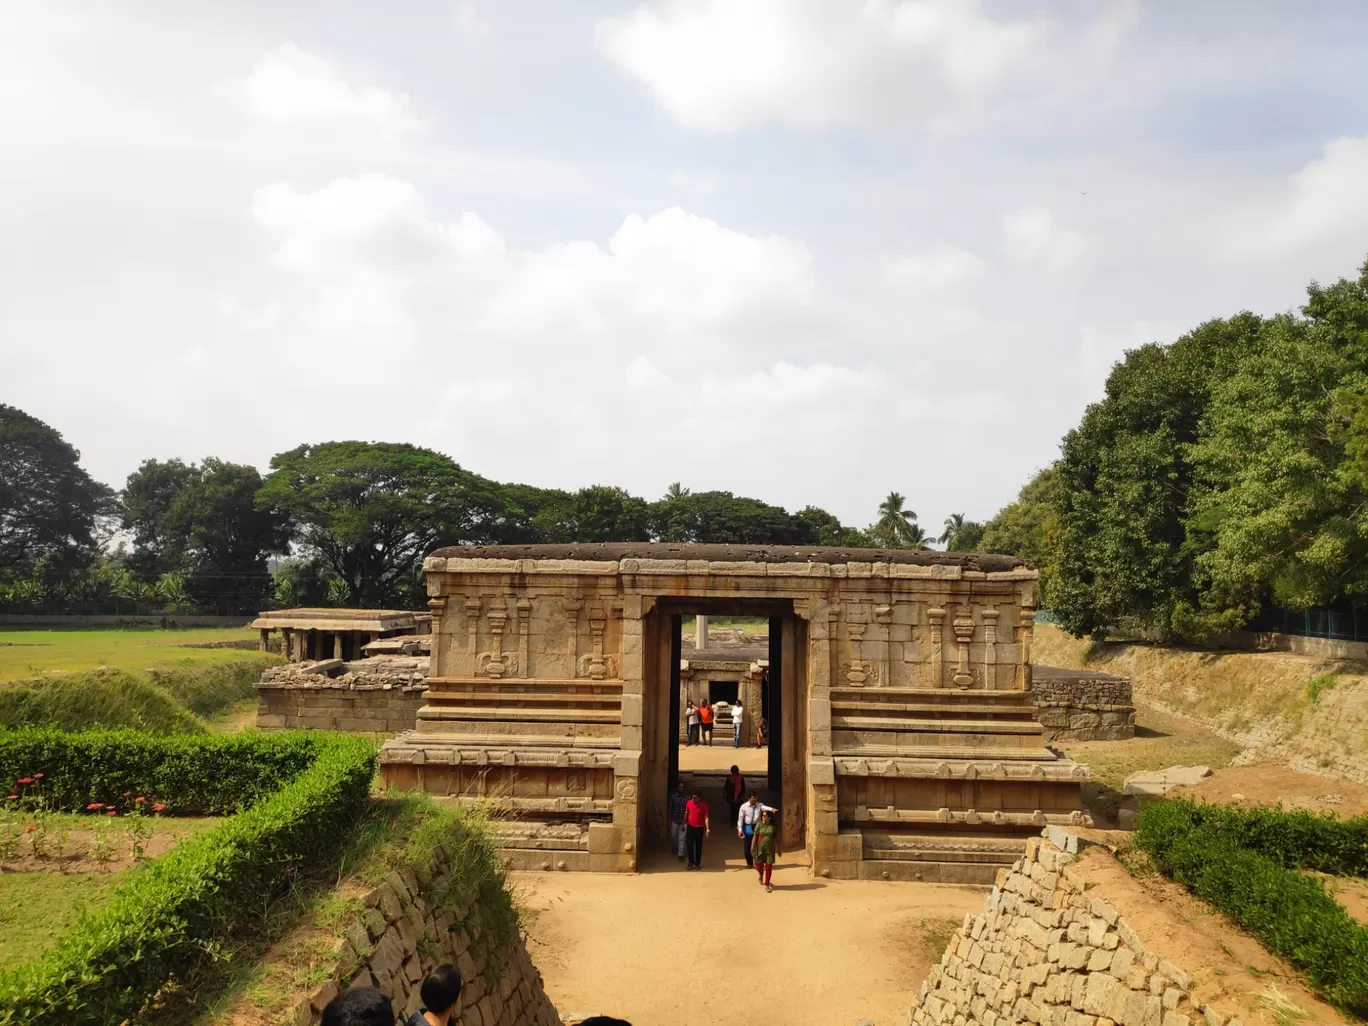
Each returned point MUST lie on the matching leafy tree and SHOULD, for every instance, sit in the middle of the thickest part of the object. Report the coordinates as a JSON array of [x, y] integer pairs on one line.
[[897, 525], [723, 518], [148, 495], [51, 510], [601, 513], [370, 512], [1029, 527]]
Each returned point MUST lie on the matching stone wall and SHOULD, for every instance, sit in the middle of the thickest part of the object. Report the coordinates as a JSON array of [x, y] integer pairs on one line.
[[404, 933], [384, 703], [1082, 705], [1048, 949]]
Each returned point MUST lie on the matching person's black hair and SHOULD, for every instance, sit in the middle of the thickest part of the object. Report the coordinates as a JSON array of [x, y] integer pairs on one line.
[[603, 1020], [736, 769], [753, 795], [441, 988], [360, 1006]]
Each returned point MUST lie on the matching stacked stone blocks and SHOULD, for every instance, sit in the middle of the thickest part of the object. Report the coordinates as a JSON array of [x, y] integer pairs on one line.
[[1046, 952]]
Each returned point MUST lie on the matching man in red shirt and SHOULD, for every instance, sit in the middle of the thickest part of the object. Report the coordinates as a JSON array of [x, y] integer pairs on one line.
[[696, 827]]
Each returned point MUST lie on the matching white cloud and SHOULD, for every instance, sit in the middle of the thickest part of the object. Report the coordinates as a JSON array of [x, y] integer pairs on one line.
[[1030, 237], [471, 26], [945, 268], [724, 65], [1326, 201], [291, 87]]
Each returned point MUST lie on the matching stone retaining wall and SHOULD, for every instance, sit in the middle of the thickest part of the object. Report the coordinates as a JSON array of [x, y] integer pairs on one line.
[[1046, 951], [379, 703], [1081, 705], [404, 933]]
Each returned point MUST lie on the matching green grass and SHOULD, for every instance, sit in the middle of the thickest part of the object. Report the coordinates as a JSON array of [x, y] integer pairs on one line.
[[36, 909], [750, 624], [43, 652], [1316, 686]]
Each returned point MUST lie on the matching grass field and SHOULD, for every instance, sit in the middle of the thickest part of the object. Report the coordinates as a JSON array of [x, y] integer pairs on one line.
[[25, 654]]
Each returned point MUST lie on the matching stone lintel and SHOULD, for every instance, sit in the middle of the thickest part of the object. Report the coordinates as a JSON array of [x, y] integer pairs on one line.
[[967, 818], [1063, 771]]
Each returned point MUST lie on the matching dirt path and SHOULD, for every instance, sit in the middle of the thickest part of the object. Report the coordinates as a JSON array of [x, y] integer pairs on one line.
[[668, 946]]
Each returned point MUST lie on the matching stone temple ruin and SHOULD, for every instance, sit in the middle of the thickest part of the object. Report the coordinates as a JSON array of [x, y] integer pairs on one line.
[[903, 738]]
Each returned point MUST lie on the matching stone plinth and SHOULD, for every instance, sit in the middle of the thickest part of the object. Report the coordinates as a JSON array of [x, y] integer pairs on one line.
[[1082, 705], [903, 739]]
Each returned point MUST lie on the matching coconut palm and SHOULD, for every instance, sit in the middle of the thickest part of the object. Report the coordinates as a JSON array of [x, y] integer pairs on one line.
[[954, 526], [917, 538], [897, 525], [675, 491]]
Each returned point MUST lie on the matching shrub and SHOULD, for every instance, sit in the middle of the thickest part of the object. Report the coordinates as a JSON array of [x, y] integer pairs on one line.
[[1288, 911], [207, 690], [175, 915], [1294, 839], [214, 774]]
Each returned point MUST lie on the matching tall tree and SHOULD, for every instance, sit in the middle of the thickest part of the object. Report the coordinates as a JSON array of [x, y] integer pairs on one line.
[[372, 510], [148, 495], [1029, 527], [960, 535], [51, 510], [897, 525]]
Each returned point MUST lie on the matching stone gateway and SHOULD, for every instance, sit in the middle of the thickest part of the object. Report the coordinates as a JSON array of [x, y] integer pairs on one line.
[[903, 739]]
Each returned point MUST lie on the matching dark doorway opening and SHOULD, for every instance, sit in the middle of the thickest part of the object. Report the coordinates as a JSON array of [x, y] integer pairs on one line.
[[723, 691]]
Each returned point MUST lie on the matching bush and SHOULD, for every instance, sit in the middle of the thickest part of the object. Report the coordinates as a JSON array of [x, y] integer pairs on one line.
[[176, 915], [209, 774], [1201, 848], [167, 700], [1295, 839]]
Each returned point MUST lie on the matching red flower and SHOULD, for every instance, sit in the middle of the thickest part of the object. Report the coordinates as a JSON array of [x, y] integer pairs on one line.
[[37, 776], [127, 793], [94, 805], [112, 812], [158, 807], [13, 797], [25, 780], [30, 828], [140, 800]]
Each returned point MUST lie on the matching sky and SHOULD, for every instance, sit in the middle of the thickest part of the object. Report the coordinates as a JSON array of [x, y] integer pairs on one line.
[[806, 250]]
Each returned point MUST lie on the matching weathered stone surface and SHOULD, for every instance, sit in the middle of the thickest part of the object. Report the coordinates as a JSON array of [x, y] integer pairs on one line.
[[1165, 780]]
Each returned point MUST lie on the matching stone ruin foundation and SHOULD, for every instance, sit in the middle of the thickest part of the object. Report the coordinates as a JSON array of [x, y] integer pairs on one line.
[[1082, 705], [903, 735]]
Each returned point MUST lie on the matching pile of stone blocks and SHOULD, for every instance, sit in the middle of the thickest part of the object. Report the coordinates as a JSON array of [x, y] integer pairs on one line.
[[1082, 705]]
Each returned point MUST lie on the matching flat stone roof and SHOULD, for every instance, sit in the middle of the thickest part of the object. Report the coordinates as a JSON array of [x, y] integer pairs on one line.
[[615, 551], [336, 619]]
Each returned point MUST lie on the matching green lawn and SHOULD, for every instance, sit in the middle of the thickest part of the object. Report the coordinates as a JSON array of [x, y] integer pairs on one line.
[[40, 652], [37, 908]]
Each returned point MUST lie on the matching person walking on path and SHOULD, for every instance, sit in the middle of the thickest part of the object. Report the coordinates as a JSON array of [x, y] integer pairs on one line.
[[705, 716], [765, 847], [732, 791], [697, 826], [738, 714], [691, 721], [679, 799], [747, 819]]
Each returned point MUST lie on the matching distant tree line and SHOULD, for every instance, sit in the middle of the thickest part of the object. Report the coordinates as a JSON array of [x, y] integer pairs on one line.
[[339, 523], [1222, 477]]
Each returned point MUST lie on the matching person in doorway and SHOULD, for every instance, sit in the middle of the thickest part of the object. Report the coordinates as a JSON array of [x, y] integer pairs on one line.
[[691, 723], [763, 739], [705, 717], [697, 826], [732, 791], [765, 847], [738, 714], [746, 821], [441, 994], [679, 800]]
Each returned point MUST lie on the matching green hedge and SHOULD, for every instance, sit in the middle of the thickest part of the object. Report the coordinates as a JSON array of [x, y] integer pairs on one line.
[[211, 774], [178, 913], [1295, 839], [1201, 848]]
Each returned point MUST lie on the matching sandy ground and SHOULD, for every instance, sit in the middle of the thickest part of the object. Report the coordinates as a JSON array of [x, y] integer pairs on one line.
[[714, 949], [752, 761], [1274, 783]]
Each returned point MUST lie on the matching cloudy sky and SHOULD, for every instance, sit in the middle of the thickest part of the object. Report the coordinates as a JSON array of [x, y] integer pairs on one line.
[[807, 250]]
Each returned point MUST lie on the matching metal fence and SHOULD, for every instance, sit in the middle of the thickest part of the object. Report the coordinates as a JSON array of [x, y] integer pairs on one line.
[[1340, 624]]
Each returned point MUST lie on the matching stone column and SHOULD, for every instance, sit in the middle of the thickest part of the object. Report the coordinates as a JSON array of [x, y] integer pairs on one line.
[[337, 645], [265, 639], [937, 619], [700, 632]]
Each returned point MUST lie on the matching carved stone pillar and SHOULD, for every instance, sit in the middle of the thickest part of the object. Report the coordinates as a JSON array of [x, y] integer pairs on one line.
[[964, 634], [498, 617], [883, 616], [598, 619], [1026, 627], [472, 613], [990, 620], [572, 611], [524, 627], [855, 629], [937, 620]]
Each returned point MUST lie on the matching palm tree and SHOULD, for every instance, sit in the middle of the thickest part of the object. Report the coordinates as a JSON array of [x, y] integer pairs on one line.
[[916, 537], [954, 525], [675, 491], [896, 523]]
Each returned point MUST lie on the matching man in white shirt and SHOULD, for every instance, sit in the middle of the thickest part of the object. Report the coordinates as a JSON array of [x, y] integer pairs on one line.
[[746, 822], [738, 711]]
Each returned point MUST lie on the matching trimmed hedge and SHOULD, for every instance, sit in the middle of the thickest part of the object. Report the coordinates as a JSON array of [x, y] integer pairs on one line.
[[1201, 848], [174, 915], [1295, 839], [203, 774]]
